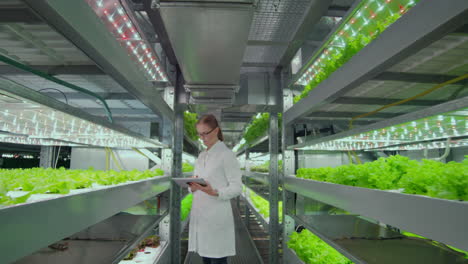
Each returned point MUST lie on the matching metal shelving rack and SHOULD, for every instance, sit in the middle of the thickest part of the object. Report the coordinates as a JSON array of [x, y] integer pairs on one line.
[[268, 182], [39, 224], [376, 212], [69, 214]]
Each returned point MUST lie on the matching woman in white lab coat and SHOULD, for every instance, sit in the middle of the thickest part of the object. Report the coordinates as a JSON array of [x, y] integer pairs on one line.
[[211, 231]]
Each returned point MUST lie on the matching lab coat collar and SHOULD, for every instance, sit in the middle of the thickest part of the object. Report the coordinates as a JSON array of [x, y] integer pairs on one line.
[[215, 146]]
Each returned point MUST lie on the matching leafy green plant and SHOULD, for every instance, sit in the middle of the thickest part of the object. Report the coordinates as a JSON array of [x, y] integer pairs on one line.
[[258, 128], [429, 177], [312, 250], [354, 37], [265, 167], [263, 205], [187, 167], [61, 181], [190, 120], [186, 206]]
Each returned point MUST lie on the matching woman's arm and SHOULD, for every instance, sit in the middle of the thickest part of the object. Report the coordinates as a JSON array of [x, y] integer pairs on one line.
[[233, 175]]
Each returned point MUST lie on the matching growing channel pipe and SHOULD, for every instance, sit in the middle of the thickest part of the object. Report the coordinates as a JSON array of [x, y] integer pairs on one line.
[[58, 81]]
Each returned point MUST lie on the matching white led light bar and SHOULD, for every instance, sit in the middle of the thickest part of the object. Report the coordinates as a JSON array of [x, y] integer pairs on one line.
[[28, 117], [447, 125]]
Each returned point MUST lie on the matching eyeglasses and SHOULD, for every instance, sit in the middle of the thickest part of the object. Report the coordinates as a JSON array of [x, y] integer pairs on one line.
[[204, 134]]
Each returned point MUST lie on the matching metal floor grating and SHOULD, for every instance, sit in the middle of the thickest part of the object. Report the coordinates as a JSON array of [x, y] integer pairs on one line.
[[246, 250]]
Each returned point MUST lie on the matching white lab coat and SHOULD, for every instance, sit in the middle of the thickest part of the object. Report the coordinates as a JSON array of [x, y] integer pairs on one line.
[[211, 232]]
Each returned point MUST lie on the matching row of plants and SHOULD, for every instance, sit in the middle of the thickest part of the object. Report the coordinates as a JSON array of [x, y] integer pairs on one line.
[[263, 205], [427, 177], [61, 181], [265, 167], [312, 250], [364, 25], [258, 128], [190, 120], [150, 241]]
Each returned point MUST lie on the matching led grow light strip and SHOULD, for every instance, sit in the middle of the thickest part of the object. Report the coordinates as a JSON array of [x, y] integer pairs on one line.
[[120, 24], [36, 124], [449, 125], [427, 145], [364, 20]]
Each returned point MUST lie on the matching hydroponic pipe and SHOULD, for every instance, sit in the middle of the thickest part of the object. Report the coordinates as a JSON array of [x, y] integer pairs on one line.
[[58, 81]]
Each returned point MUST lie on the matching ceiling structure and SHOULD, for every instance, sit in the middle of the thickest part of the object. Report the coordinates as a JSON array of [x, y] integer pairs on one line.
[[279, 29]]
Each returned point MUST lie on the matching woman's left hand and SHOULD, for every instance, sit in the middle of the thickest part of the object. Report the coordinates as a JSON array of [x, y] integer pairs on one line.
[[208, 189]]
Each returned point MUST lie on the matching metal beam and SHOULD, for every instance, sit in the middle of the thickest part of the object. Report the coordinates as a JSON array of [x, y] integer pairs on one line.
[[156, 20], [137, 119], [405, 37], [36, 42], [18, 14], [382, 101], [317, 9], [267, 43], [274, 227], [81, 96], [177, 148], [119, 111], [258, 64], [415, 77], [55, 69], [337, 11], [350, 115]]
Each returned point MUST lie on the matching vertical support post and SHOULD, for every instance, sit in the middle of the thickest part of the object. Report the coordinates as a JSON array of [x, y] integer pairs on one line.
[[274, 227], [166, 129], [175, 226], [289, 206], [247, 211], [46, 159]]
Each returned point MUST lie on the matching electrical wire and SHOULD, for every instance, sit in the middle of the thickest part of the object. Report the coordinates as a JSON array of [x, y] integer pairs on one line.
[[64, 95]]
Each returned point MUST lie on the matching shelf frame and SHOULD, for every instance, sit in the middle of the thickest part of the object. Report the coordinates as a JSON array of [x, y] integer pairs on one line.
[[431, 111], [437, 219], [257, 176], [403, 38], [68, 215]]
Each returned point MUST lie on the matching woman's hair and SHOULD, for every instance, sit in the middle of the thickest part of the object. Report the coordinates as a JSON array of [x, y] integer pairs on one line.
[[211, 122]]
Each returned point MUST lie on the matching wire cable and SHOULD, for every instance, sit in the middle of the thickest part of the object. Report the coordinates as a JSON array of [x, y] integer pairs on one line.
[[64, 95]]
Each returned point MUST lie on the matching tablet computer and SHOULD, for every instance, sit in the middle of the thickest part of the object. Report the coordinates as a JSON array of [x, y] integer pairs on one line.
[[183, 182]]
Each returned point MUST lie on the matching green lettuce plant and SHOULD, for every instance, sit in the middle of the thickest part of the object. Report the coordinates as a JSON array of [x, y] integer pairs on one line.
[[190, 120], [428, 177], [312, 250], [263, 205], [61, 181], [335, 54]]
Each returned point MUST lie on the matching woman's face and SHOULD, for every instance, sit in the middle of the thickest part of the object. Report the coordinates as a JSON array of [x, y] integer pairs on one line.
[[208, 135]]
